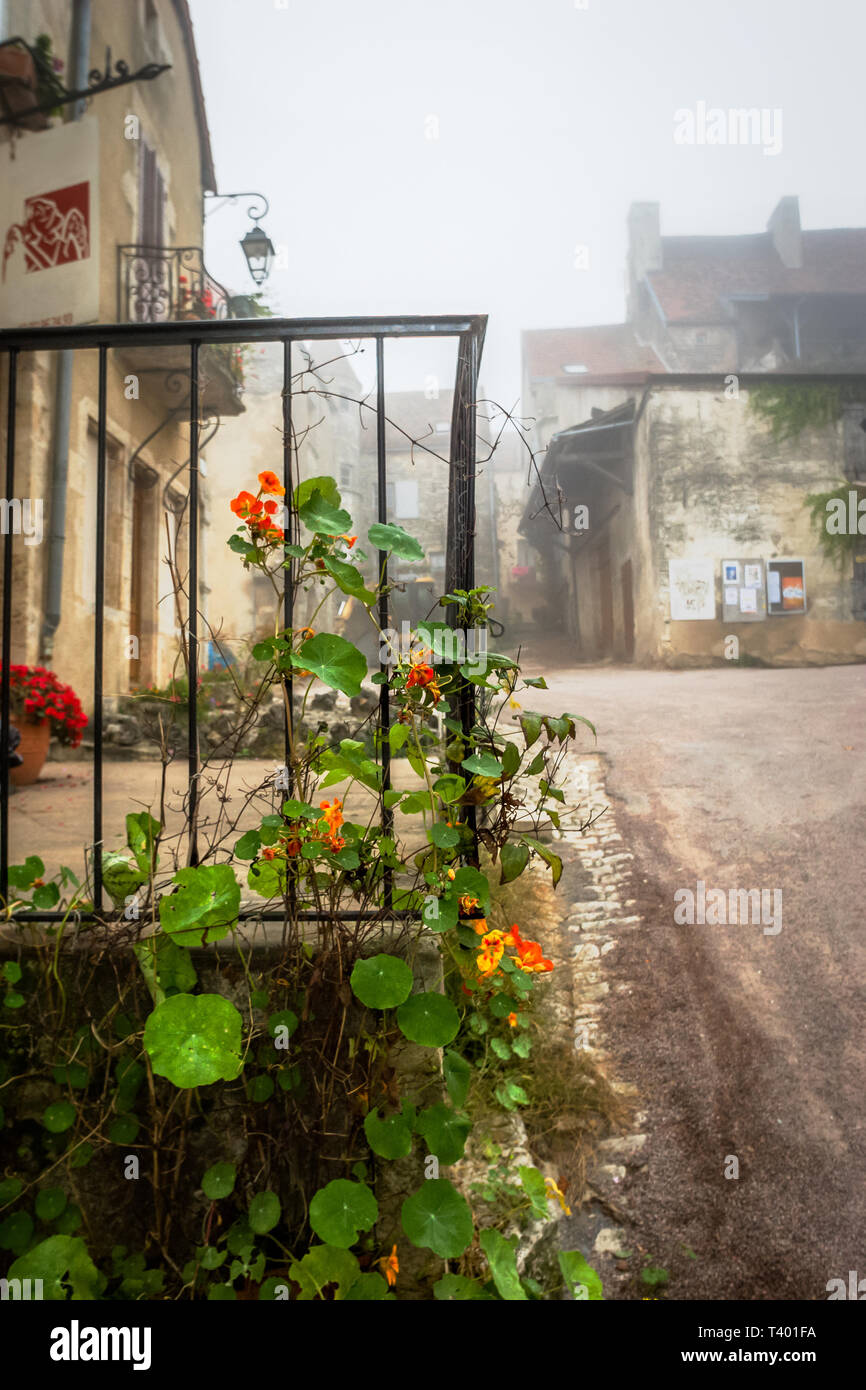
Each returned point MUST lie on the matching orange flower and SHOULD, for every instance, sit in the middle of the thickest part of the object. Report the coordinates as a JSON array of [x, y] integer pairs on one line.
[[245, 505], [271, 507], [480, 925], [529, 956], [390, 1266], [492, 949], [334, 818], [269, 852], [512, 1020], [350, 540], [467, 904], [425, 676], [271, 483]]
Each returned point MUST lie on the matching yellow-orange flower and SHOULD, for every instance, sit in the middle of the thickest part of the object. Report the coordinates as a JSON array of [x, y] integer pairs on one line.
[[512, 1020], [491, 953], [390, 1266], [480, 925], [467, 904], [270, 483]]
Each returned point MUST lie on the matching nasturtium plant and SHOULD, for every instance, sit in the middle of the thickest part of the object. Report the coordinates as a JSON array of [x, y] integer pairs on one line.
[[382, 981], [308, 1036], [444, 1131], [63, 1264], [341, 1210], [429, 1018], [264, 1212], [194, 1040], [503, 1265], [438, 1217], [59, 1116], [219, 1181], [203, 906], [390, 1137]]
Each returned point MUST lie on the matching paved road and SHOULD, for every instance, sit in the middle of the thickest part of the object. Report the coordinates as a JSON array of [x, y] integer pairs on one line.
[[742, 1042]]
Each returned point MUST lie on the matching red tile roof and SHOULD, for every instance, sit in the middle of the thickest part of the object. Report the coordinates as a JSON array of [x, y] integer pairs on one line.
[[608, 350], [701, 272]]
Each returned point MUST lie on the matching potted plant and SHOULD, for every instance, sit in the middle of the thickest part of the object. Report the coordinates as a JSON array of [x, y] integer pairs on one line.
[[43, 708], [28, 78]]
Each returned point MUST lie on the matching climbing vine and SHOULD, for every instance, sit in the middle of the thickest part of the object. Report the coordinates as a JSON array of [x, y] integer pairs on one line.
[[254, 1095]]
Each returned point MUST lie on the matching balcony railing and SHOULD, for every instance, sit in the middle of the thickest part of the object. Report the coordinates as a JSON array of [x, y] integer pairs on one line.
[[165, 284]]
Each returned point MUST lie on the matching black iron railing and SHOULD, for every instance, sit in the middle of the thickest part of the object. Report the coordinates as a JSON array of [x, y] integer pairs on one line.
[[163, 284], [469, 330]]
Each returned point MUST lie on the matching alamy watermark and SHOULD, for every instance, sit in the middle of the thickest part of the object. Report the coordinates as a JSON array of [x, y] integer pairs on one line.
[[441, 647], [22, 518], [846, 521], [713, 907], [737, 126]]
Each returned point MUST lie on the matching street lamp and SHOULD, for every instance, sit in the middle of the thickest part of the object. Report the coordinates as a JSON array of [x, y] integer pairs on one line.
[[256, 245], [259, 251]]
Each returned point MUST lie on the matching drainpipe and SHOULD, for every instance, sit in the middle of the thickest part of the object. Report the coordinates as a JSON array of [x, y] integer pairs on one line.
[[79, 64]]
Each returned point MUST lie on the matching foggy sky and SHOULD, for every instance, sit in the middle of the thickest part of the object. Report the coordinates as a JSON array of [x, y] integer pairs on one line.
[[551, 120]]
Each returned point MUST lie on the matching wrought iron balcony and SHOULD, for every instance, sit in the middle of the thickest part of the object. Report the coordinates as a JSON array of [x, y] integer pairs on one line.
[[164, 284]]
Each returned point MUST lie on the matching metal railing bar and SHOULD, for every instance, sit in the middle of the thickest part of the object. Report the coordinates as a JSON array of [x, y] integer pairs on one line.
[[99, 622], [382, 517], [5, 698], [258, 330], [192, 608]]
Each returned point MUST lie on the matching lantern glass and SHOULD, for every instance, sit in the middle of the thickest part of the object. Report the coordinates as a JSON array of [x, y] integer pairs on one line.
[[259, 251]]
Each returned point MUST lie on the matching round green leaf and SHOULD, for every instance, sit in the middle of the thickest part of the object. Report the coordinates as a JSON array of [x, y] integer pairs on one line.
[[10, 1188], [382, 982], [283, 1019], [430, 1019], [341, 1210], [50, 1203], [219, 1181], [59, 1116], [438, 1218], [260, 1089], [124, 1129], [12, 972], [444, 1132], [334, 660], [370, 1287], [194, 1040], [390, 1137], [264, 1212], [69, 1220], [15, 1232]]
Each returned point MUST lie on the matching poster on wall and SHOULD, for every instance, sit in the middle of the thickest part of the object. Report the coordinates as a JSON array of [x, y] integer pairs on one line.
[[693, 589], [49, 221], [744, 598]]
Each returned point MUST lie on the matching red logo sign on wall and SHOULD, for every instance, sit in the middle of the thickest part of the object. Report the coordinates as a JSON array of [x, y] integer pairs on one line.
[[55, 230]]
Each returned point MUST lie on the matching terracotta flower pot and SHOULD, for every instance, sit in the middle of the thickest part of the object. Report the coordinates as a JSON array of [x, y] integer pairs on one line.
[[19, 86], [33, 748]]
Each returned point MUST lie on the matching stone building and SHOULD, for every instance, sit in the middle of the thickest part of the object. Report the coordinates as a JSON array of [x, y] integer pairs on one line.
[[670, 516], [142, 263]]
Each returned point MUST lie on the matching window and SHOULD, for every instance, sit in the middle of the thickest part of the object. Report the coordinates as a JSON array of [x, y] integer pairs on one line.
[[151, 199]]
